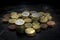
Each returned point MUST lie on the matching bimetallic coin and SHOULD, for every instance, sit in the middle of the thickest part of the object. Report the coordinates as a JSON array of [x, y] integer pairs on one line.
[[27, 25], [28, 20], [12, 20], [19, 22], [29, 31], [35, 15], [25, 13]]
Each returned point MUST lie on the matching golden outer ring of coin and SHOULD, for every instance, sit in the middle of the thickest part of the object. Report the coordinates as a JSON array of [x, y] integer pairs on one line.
[[12, 20], [27, 25], [29, 31], [28, 20]]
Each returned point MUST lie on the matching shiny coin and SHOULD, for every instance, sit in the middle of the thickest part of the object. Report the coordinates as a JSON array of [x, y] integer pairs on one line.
[[28, 20], [12, 20], [27, 25], [19, 22], [35, 15], [25, 13], [29, 31]]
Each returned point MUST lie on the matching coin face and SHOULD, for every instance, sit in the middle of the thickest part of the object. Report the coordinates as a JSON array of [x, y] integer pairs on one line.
[[25, 13], [29, 31], [13, 13], [27, 25], [28, 20], [19, 22], [12, 20], [51, 23], [43, 19], [19, 14], [44, 26]]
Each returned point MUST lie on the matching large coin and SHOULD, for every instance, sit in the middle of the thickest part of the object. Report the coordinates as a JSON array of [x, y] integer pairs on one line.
[[29, 31], [19, 22]]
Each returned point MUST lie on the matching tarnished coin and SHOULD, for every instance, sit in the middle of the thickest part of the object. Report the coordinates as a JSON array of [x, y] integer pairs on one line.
[[12, 20], [51, 23], [19, 22], [27, 25], [28, 20], [44, 26], [30, 31], [20, 29], [5, 19], [12, 27], [25, 13], [6, 15]]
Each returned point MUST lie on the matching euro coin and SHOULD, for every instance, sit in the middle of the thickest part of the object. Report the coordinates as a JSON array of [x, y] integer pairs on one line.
[[19, 22]]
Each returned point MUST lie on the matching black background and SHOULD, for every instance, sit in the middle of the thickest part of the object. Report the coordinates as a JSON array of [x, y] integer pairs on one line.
[[50, 34]]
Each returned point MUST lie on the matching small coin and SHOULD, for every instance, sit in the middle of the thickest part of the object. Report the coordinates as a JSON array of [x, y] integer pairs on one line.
[[19, 22], [51, 23], [12, 27], [44, 26], [27, 25]]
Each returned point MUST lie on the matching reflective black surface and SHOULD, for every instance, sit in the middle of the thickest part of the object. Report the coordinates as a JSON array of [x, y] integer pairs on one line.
[[48, 34]]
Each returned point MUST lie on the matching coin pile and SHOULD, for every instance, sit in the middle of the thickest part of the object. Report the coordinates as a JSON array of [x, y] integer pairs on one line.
[[29, 22]]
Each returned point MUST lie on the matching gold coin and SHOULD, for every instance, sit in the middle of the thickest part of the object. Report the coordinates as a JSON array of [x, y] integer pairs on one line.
[[27, 25], [29, 31], [19, 14], [12, 20], [13, 13], [43, 19], [41, 13], [36, 25], [28, 20]]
